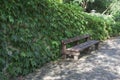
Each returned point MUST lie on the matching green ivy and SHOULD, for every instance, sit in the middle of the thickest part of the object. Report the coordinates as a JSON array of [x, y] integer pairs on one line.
[[3, 76]]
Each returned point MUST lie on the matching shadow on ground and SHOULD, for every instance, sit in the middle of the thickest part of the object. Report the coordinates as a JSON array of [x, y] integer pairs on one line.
[[99, 65]]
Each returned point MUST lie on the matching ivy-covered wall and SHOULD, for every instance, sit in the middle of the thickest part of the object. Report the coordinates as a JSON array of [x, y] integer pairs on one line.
[[31, 32]]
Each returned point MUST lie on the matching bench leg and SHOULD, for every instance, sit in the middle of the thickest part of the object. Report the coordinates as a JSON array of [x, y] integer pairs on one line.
[[87, 50], [97, 46], [64, 56], [75, 57]]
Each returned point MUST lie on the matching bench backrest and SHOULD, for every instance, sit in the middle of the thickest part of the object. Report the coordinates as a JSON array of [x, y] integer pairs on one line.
[[75, 39]]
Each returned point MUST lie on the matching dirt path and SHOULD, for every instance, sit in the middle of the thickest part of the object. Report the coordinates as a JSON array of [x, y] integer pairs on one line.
[[103, 64]]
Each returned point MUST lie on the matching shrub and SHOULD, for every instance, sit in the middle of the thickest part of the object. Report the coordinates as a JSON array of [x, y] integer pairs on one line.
[[99, 26], [116, 29], [117, 16], [31, 33]]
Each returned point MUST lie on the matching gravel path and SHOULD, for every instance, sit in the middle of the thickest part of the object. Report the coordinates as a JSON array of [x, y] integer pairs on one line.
[[103, 64]]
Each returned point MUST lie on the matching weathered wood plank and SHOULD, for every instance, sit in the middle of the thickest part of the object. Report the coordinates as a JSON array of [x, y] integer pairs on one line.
[[75, 39], [83, 46]]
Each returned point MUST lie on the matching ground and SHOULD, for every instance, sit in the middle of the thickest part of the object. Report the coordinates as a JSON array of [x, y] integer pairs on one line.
[[103, 64]]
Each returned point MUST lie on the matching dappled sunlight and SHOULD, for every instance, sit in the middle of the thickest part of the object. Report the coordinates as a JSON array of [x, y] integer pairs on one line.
[[102, 64], [111, 44]]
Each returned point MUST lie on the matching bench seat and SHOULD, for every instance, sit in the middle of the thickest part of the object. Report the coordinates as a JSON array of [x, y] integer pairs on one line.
[[82, 46]]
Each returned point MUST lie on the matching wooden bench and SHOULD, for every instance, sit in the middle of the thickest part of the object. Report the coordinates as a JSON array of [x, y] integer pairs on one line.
[[75, 50]]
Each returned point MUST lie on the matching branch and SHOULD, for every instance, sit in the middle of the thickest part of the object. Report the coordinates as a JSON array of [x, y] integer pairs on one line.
[[108, 8]]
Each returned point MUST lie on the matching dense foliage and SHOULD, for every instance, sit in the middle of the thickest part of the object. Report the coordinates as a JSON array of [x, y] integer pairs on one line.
[[115, 10], [99, 26], [31, 32], [88, 5]]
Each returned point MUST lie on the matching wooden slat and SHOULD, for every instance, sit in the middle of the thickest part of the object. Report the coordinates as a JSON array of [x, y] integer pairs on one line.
[[75, 39], [83, 46]]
